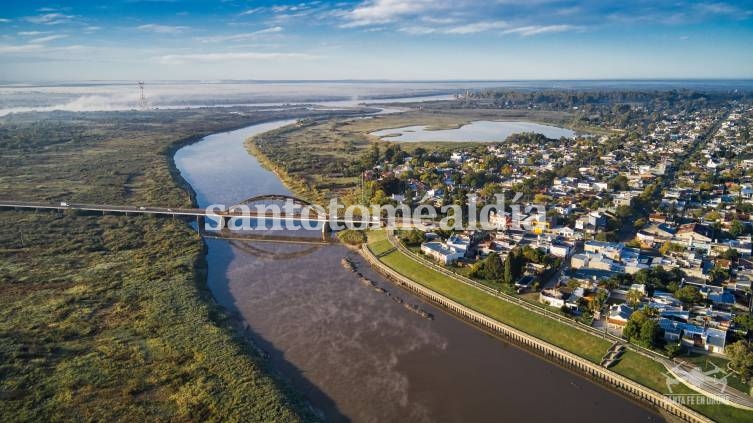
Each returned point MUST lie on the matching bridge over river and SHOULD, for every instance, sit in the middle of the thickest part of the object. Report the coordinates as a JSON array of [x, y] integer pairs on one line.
[[270, 208]]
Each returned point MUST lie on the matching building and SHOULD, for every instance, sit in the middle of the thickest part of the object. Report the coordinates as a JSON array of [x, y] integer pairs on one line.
[[693, 232], [552, 298], [441, 252], [612, 250], [707, 339], [618, 315]]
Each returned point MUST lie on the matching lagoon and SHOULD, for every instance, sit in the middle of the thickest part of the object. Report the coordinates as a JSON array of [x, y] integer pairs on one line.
[[477, 131]]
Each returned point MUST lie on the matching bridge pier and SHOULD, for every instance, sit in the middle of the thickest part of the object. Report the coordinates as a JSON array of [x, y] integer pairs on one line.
[[326, 228]]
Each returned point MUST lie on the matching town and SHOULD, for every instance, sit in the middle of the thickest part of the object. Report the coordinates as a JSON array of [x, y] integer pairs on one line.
[[646, 235]]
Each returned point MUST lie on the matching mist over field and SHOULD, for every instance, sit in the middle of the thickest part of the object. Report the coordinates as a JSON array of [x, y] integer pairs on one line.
[[96, 96]]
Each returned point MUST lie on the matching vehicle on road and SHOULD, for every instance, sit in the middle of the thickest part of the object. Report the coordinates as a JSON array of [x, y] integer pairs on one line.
[[63, 204]]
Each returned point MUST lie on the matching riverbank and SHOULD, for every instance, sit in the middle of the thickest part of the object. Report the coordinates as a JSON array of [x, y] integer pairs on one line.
[[635, 367], [535, 345]]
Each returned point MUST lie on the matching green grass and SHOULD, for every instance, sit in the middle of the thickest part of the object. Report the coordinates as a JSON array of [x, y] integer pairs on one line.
[[632, 365], [702, 361], [108, 318], [652, 374], [378, 242]]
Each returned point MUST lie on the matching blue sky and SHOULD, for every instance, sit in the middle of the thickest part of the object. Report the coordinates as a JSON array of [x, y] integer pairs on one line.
[[374, 39]]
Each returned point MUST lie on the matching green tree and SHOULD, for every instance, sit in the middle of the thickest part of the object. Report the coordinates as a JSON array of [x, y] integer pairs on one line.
[[633, 298], [688, 295], [744, 322], [731, 254], [413, 237], [491, 268], [513, 267], [642, 330], [740, 356], [737, 228], [673, 350]]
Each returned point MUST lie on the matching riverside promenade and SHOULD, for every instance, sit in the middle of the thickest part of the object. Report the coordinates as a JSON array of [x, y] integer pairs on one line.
[[545, 349], [686, 375]]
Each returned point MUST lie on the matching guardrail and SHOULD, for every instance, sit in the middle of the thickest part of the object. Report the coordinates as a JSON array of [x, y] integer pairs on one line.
[[544, 348]]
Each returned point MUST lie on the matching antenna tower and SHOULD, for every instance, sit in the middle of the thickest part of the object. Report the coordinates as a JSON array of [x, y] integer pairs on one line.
[[142, 99]]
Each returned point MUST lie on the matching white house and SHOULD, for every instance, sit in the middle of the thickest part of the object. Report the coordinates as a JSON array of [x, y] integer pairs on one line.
[[441, 252]]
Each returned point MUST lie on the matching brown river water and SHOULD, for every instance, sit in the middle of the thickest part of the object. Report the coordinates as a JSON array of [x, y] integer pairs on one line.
[[355, 353]]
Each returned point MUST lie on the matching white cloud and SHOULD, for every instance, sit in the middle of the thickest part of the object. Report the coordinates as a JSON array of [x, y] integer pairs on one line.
[[20, 48], [92, 28], [470, 28], [3, 20], [384, 11], [50, 19], [163, 29], [251, 11], [32, 33], [179, 59], [475, 27], [417, 30], [526, 31], [48, 38], [241, 37]]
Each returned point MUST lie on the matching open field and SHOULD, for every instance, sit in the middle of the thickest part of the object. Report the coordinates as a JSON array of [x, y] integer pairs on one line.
[[632, 365], [107, 318]]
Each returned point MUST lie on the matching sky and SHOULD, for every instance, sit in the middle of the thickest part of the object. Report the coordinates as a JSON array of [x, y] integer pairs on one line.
[[374, 39]]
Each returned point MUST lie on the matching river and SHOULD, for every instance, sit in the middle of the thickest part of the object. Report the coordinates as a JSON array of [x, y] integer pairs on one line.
[[354, 353]]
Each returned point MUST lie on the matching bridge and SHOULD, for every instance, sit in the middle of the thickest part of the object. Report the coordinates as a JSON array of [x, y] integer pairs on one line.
[[254, 208]]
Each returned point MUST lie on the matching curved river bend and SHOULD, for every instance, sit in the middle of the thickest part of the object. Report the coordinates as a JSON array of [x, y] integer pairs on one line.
[[354, 353]]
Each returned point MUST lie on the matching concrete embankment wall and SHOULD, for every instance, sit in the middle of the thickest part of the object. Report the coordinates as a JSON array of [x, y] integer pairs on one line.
[[543, 348]]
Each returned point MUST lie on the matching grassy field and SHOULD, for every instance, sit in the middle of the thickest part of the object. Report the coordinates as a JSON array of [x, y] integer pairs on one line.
[[632, 365], [108, 318]]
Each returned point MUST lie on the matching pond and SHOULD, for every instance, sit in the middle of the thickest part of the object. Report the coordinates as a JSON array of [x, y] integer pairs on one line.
[[477, 131]]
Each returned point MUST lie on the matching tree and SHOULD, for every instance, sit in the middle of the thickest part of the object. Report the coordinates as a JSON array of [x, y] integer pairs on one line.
[[642, 330], [573, 284], [718, 274], [731, 254], [491, 268], [689, 295], [673, 350], [619, 183], [598, 301], [740, 356], [737, 228], [744, 322], [633, 297], [513, 267], [413, 237]]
